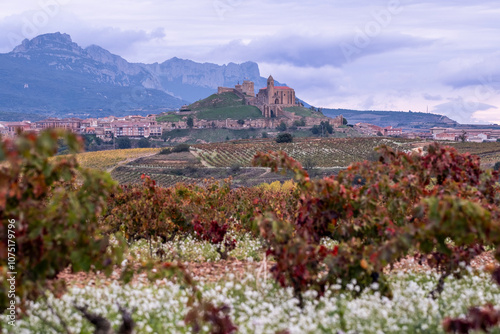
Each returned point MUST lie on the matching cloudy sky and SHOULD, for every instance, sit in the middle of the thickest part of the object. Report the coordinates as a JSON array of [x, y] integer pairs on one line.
[[440, 55]]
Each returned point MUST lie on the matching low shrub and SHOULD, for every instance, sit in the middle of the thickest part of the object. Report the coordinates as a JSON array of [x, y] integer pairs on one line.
[[284, 138], [180, 148]]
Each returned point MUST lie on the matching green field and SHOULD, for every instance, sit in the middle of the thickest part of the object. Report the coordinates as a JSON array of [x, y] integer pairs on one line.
[[217, 101], [234, 112], [169, 118]]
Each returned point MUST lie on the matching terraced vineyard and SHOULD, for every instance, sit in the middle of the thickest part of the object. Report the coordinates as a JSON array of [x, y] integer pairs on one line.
[[323, 152], [488, 152], [172, 160], [127, 175]]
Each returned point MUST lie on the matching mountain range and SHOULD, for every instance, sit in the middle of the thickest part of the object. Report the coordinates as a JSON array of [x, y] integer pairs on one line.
[[50, 75]]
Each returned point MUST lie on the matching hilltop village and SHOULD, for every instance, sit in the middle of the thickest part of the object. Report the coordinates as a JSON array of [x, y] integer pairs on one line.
[[236, 108], [275, 104]]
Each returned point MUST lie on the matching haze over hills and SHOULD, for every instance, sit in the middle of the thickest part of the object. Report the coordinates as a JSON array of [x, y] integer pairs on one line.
[[52, 75], [392, 118]]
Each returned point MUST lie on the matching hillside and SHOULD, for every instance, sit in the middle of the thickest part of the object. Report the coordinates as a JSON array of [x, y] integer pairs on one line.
[[224, 106], [229, 105], [391, 118]]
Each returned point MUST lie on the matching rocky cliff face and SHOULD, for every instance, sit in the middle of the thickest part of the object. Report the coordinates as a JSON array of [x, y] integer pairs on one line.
[[72, 73]]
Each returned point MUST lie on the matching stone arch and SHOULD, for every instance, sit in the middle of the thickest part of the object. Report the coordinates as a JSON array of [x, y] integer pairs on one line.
[[277, 101]]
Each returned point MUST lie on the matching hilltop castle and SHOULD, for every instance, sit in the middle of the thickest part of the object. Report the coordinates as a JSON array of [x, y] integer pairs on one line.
[[270, 100]]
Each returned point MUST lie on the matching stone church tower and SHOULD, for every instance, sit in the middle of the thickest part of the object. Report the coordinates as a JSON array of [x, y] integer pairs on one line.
[[270, 100], [270, 90]]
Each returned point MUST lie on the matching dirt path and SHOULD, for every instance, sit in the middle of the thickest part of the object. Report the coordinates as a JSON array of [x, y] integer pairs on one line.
[[235, 269]]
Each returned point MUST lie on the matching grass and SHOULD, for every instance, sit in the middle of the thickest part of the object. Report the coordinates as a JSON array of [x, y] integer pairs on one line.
[[169, 118], [304, 112], [223, 106], [231, 112], [217, 101]]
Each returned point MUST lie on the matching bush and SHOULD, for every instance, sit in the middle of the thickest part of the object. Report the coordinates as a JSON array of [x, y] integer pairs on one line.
[[380, 212], [143, 143], [322, 129], [190, 122], [166, 151], [309, 163], [180, 148], [235, 167], [281, 127], [265, 135], [53, 206], [123, 142], [302, 122], [284, 138], [497, 166]]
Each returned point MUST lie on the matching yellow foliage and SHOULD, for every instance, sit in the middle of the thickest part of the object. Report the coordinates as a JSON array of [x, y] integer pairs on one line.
[[104, 160], [276, 186]]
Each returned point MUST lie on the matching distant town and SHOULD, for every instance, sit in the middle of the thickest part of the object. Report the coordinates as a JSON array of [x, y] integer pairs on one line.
[[148, 127], [276, 107]]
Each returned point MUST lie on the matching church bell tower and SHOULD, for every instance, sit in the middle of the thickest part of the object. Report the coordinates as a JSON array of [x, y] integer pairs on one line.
[[270, 90]]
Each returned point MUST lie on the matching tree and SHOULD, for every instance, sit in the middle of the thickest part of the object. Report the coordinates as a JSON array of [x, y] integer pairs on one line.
[[326, 127], [463, 137], [212, 125], [322, 129], [309, 163], [380, 134], [241, 122], [315, 129], [190, 122], [344, 121], [123, 142], [265, 135], [165, 135], [143, 143], [281, 127], [497, 166], [284, 138]]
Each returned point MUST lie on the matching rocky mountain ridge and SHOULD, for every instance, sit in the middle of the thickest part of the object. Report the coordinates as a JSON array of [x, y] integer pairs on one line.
[[51, 74]]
